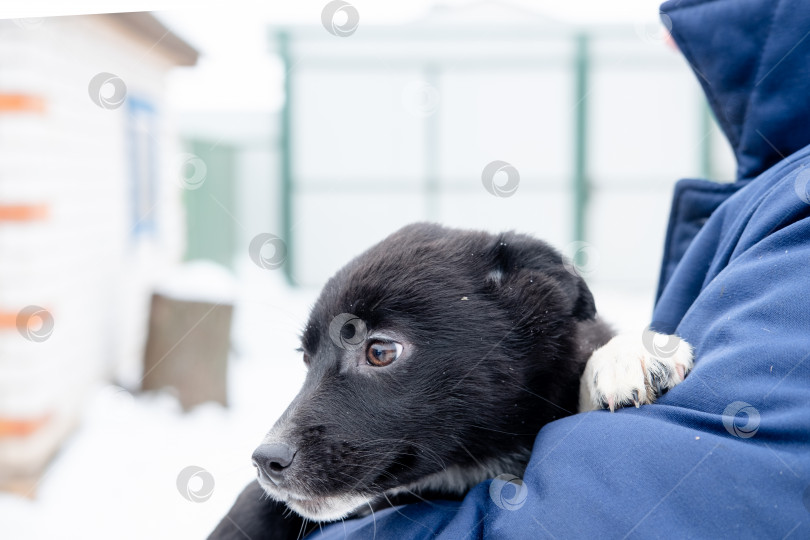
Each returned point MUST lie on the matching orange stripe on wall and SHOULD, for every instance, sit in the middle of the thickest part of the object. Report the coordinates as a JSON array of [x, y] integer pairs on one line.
[[21, 103], [21, 428], [23, 212], [8, 320]]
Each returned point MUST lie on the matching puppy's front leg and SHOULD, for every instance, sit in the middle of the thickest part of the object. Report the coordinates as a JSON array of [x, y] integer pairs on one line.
[[633, 369]]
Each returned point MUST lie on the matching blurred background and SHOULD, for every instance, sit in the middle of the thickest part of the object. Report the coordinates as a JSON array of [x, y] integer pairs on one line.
[[176, 186]]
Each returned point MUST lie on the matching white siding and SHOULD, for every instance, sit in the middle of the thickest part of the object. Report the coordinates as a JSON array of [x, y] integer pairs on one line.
[[82, 262]]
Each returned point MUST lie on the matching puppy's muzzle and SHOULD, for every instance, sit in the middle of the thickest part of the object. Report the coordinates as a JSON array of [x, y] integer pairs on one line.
[[272, 460]]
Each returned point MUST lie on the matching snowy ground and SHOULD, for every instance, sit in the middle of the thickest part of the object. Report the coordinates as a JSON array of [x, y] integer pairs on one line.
[[117, 476]]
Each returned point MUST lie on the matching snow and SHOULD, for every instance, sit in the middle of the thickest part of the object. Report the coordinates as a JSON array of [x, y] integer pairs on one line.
[[199, 281], [117, 475]]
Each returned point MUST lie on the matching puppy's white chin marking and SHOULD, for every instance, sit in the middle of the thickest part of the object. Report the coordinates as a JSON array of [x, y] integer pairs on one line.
[[328, 508]]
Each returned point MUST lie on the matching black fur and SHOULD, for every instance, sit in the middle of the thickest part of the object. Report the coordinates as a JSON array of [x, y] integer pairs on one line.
[[496, 332]]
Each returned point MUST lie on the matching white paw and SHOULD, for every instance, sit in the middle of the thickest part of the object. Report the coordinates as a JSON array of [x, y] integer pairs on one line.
[[633, 369]]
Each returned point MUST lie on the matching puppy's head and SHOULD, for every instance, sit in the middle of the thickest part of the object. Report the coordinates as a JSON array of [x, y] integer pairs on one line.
[[434, 358]]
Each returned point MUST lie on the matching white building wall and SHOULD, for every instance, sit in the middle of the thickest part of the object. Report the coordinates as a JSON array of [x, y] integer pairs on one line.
[[82, 261]]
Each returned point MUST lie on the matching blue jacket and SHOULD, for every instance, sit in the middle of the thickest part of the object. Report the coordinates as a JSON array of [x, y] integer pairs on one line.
[[726, 454]]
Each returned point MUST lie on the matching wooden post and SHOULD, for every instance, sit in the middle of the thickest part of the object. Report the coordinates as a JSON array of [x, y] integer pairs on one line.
[[187, 349]]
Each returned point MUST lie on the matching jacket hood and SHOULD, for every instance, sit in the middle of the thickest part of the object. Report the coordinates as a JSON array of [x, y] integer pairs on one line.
[[752, 58]]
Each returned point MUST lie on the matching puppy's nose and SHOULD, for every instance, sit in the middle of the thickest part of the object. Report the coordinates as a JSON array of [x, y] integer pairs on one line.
[[272, 459]]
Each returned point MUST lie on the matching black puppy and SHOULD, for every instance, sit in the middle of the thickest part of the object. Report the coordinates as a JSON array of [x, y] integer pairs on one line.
[[434, 359]]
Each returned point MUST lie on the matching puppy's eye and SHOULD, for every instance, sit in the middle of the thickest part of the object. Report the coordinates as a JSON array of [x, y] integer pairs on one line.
[[381, 353]]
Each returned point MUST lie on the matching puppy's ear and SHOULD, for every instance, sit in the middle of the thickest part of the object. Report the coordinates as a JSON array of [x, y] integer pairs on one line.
[[584, 305], [528, 265]]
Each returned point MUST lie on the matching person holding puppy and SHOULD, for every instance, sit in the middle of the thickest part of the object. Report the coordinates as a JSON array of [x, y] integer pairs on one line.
[[727, 452]]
